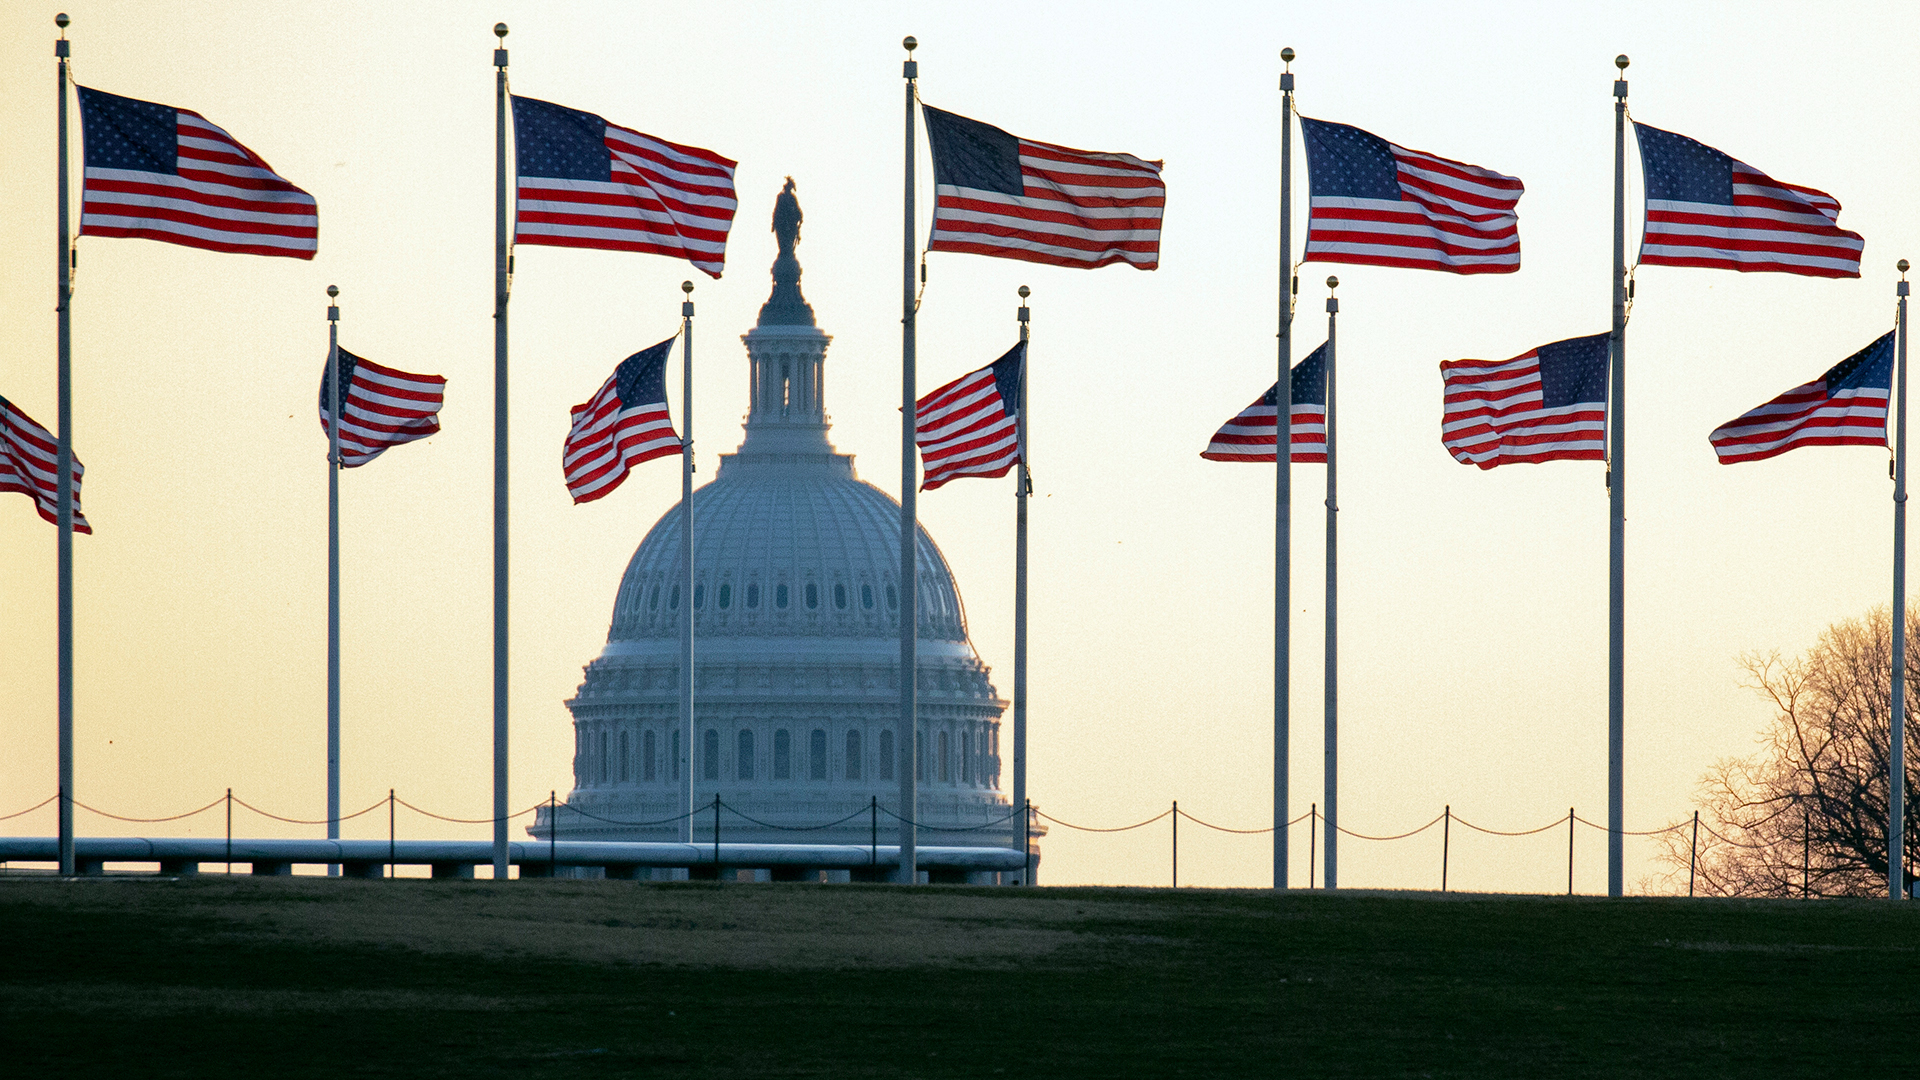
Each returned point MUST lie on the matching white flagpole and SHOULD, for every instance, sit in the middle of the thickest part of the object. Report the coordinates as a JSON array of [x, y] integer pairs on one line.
[[1283, 489], [333, 571], [501, 278], [1022, 488], [1332, 779], [1896, 746], [1617, 501], [909, 525], [64, 464], [686, 548]]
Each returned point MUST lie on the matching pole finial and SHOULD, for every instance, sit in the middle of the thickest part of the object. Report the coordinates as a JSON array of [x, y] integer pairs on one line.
[[1621, 61], [61, 21], [687, 287], [1902, 267], [333, 291], [909, 43], [500, 31], [1026, 292], [1286, 56], [1332, 282]]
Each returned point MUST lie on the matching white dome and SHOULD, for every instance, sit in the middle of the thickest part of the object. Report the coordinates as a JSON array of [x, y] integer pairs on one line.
[[781, 550]]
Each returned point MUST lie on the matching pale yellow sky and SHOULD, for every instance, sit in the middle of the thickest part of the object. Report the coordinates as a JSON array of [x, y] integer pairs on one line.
[[1473, 604]]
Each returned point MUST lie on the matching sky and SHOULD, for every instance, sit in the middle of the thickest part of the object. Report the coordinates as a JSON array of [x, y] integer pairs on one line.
[[1473, 605]]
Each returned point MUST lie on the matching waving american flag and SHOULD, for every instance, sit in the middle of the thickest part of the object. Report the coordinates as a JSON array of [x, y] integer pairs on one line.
[[1378, 204]]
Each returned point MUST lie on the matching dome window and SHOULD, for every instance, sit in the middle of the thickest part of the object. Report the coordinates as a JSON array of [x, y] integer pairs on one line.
[[782, 755], [710, 751], [653, 599], [744, 759], [840, 597], [673, 599], [726, 597], [753, 595], [853, 753], [699, 596], [813, 596], [817, 754], [893, 599], [946, 773], [649, 757], [780, 596], [866, 597], [885, 755]]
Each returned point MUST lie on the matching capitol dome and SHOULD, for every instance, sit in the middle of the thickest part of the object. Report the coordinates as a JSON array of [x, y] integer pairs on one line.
[[795, 607]]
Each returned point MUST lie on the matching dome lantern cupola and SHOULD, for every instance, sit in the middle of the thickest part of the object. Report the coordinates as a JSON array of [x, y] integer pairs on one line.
[[787, 354]]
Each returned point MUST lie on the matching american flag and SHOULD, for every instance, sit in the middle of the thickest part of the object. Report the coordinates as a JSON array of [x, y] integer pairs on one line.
[[1378, 204], [163, 173], [1706, 209], [970, 427], [586, 183], [381, 408], [1845, 407], [995, 194], [1547, 404], [1250, 435], [625, 424], [30, 465]]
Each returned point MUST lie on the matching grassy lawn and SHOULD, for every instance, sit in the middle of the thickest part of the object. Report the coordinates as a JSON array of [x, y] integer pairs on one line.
[[296, 977]]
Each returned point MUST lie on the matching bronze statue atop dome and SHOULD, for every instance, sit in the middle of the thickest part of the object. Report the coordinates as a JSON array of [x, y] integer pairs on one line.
[[786, 307]]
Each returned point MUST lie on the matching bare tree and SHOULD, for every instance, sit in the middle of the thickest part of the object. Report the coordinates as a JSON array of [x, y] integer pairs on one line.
[[1807, 813]]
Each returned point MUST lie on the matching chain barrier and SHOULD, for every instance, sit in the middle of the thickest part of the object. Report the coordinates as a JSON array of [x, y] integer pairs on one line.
[[1009, 816], [790, 828], [1086, 828], [1727, 840], [1402, 836], [31, 809], [143, 820], [291, 821], [1554, 824], [572, 809], [1629, 832], [455, 820], [1242, 832]]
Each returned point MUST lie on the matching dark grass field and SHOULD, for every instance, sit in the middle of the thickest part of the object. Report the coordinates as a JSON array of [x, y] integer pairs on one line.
[[310, 977]]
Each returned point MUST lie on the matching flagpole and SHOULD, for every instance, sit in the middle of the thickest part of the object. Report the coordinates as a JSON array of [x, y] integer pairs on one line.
[[63, 301], [1021, 490], [1896, 756], [1332, 781], [909, 528], [686, 546], [1617, 500], [333, 571], [500, 286], [1283, 490]]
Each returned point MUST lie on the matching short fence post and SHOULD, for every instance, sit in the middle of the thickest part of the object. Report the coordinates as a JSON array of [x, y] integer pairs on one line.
[[1026, 844], [1693, 853], [716, 837], [1569, 851], [1806, 852], [390, 866], [873, 830], [1313, 821], [1446, 843], [1176, 843], [229, 830]]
